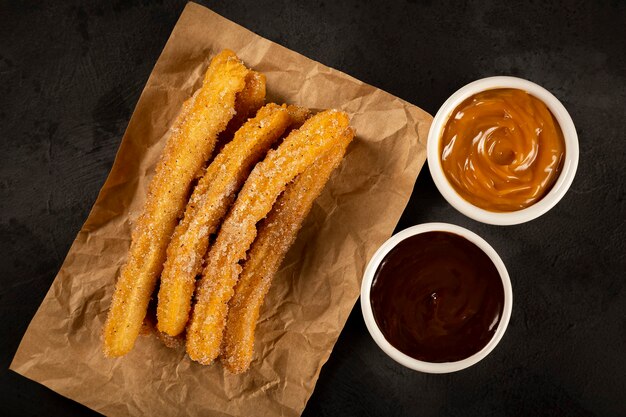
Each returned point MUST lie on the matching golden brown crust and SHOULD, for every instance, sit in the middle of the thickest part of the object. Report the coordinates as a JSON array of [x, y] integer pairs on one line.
[[275, 235], [266, 182], [187, 149], [209, 202], [248, 102], [298, 114]]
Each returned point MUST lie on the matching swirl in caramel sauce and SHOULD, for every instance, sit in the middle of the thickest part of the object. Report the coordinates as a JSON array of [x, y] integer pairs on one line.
[[437, 297], [502, 150]]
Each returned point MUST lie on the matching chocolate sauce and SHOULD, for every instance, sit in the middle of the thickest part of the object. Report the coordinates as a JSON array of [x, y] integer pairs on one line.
[[437, 297]]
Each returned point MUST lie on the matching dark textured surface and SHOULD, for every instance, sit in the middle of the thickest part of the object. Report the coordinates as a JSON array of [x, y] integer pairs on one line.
[[71, 73]]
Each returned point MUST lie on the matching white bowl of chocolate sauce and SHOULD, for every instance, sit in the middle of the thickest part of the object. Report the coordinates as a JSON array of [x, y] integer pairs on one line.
[[503, 150], [436, 298]]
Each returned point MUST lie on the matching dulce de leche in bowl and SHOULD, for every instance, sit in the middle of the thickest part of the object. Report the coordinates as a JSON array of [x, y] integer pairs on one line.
[[502, 150]]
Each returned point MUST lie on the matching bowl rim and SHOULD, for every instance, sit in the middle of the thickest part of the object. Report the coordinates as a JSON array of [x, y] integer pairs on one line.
[[564, 181], [404, 359]]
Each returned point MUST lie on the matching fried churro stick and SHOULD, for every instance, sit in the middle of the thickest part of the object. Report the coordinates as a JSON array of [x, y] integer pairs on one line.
[[209, 202], [298, 114], [266, 182], [276, 234], [248, 102], [187, 149]]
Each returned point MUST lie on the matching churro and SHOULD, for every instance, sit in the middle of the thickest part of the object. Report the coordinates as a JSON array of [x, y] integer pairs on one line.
[[275, 236], [207, 206], [267, 181], [191, 143], [298, 115], [248, 102]]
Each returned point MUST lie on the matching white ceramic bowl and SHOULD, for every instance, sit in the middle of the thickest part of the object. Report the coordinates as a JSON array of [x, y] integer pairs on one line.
[[540, 207], [406, 360]]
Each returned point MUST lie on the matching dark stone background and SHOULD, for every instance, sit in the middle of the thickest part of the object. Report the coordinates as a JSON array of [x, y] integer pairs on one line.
[[71, 73]]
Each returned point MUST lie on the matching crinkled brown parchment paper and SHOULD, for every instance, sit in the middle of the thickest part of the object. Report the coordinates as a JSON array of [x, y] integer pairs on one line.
[[314, 291]]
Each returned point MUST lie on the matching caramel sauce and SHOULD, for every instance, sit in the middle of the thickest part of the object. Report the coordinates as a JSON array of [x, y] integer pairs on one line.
[[437, 297], [502, 150]]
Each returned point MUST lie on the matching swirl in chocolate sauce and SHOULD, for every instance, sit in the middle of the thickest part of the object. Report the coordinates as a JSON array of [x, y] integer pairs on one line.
[[437, 297]]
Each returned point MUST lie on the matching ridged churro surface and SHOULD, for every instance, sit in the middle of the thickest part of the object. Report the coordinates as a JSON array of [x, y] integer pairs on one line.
[[267, 181], [275, 236], [191, 143], [207, 206]]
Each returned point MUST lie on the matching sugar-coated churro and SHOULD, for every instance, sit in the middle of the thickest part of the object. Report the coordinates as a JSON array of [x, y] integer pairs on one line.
[[207, 206], [248, 102], [276, 234], [191, 142], [298, 114], [267, 181]]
